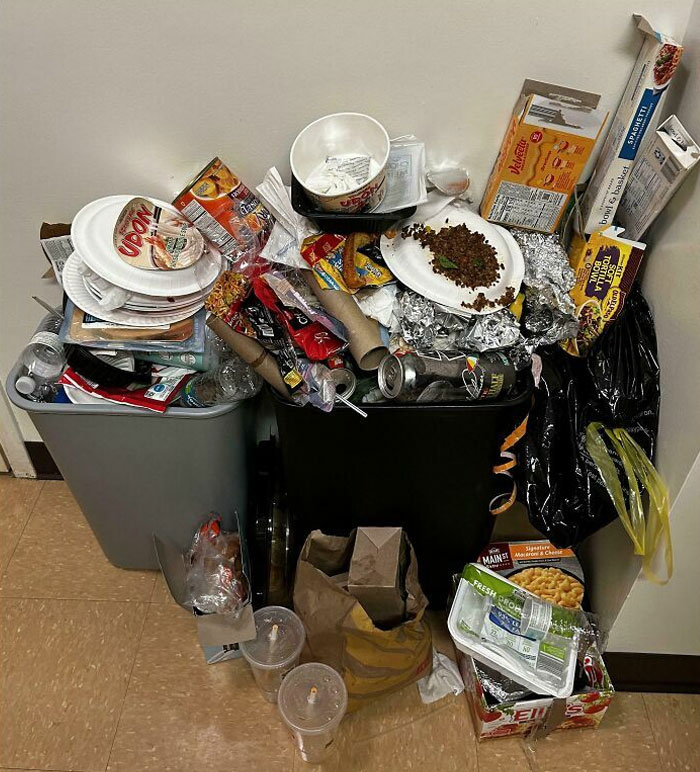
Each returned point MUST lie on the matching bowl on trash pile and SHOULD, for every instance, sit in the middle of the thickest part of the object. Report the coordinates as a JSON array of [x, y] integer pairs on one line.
[[340, 161]]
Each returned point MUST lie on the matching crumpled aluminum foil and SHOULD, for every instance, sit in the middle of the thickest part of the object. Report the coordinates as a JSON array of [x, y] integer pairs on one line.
[[425, 326], [547, 268], [545, 324]]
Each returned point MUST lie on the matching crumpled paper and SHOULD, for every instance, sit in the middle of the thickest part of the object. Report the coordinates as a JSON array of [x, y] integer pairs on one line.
[[426, 326], [443, 680], [379, 303]]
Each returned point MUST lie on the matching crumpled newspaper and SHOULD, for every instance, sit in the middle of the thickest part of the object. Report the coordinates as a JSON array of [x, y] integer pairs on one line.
[[426, 326]]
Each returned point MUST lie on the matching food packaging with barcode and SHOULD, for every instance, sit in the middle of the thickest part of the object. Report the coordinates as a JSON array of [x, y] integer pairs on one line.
[[502, 625]]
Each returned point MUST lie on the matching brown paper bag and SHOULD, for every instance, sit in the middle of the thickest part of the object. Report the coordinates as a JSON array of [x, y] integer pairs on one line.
[[339, 633]]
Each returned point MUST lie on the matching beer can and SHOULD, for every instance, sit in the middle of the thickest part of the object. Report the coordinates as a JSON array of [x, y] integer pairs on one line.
[[446, 376]]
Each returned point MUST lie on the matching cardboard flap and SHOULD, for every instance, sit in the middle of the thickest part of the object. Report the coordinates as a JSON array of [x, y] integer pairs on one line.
[[572, 96], [223, 629], [172, 565]]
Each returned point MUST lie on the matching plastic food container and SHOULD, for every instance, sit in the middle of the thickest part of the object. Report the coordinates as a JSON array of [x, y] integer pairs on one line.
[[342, 134], [346, 222], [276, 649], [312, 702]]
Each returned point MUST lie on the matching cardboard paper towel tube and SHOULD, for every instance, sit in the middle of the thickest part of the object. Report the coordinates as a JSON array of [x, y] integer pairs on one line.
[[252, 352], [365, 343]]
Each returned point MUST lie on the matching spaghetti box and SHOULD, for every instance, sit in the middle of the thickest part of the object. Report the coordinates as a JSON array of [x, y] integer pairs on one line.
[[664, 163], [219, 635], [584, 708], [637, 114], [550, 137]]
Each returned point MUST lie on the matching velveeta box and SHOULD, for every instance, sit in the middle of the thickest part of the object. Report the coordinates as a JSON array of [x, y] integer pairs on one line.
[[605, 266], [550, 137], [585, 708]]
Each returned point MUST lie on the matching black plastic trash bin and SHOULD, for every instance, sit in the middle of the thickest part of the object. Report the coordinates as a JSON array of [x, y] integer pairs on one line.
[[427, 468]]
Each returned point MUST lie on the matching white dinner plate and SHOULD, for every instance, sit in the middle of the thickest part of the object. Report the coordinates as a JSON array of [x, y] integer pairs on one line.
[[410, 262], [92, 234], [75, 288]]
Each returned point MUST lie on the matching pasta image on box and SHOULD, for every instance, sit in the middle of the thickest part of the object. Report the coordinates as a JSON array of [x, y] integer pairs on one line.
[[605, 266], [636, 115], [551, 134]]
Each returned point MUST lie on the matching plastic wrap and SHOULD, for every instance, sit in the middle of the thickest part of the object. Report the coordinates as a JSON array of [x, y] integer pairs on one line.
[[215, 581]]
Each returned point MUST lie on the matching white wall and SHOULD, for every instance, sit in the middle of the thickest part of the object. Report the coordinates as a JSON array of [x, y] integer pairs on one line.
[[135, 96], [667, 619]]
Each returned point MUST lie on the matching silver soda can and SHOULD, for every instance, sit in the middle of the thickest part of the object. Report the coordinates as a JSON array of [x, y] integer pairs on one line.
[[345, 381], [443, 376]]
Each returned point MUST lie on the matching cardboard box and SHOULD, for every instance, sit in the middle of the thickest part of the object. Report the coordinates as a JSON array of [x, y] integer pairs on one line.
[[376, 572], [584, 708], [551, 134], [664, 163], [637, 114], [605, 267], [219, 634], [537, 565]]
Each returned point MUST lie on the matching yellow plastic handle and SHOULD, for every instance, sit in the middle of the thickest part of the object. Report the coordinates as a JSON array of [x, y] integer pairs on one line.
[[646, 530]]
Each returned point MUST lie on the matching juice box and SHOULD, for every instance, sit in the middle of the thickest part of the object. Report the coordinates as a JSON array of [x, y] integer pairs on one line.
[[605, 267], [637, 114], [550, 137]]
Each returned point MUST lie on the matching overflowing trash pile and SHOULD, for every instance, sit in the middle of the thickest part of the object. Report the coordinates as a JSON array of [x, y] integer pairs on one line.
[[371, 280]]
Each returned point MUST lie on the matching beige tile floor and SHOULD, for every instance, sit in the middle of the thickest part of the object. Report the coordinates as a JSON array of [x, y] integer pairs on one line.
[[102, 671]]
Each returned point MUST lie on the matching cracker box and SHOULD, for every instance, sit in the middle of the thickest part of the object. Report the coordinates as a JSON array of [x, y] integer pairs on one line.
[[551, 134], [664, 163], [605, 266], [637, 115], [584, 708], [538, 566]]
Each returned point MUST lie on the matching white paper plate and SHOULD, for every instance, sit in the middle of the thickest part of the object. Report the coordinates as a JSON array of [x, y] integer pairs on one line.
[[410, 262], [78, 397], [76, 290], [92, 232], [148, 303]]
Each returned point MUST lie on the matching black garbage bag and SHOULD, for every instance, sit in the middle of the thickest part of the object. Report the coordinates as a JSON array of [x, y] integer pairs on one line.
[[615, 387]]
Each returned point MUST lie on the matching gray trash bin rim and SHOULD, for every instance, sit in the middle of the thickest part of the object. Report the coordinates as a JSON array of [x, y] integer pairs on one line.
[[109, 408]]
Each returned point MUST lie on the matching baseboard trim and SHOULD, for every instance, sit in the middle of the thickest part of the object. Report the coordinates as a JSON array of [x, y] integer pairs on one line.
[[42, 461], [676, 673]]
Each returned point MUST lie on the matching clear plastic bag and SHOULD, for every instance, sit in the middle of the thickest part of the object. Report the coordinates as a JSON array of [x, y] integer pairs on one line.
[[215, 580]]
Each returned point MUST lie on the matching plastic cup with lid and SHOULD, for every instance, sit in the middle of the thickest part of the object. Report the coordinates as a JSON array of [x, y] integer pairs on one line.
[[276, 648], [312, 702]]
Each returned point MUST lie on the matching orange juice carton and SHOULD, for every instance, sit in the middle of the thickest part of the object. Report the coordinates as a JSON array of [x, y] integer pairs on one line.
[[605, 266], [550, 137]]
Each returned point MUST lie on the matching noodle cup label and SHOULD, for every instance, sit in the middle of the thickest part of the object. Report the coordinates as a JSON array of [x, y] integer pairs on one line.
[[150, 238]]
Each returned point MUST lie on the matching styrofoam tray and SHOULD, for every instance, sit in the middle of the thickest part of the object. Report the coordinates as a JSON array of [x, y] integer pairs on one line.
[[410, 262], [75, 288], [92, 234]]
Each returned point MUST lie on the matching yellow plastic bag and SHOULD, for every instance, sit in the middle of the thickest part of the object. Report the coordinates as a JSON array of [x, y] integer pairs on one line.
[[649, 530]]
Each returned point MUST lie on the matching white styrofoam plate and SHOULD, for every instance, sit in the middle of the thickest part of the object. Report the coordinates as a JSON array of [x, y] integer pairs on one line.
[[75, 288], [92, 233], [410, 262], [137, 302]]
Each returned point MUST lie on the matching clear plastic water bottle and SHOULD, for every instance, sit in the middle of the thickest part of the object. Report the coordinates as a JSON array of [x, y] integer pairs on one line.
[[232, 381], [44, 359]]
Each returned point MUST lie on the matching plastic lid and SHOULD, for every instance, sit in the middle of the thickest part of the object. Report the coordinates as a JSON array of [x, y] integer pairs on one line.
[[25, 384], [280, 638], [312, 698]]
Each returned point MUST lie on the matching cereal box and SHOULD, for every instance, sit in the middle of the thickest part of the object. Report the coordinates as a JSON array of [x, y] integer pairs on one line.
[[584, 708], [605, 267], [551, 134], [637, 114], [545, 570]]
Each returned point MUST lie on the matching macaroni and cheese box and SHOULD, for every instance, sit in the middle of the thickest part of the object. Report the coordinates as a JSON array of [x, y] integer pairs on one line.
[[605, 266], [551, 134], [664, 163], [636, 115], [538, 566]]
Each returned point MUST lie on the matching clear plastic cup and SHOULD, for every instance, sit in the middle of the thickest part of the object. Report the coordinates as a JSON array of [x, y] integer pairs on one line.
[[312, 702], [276, 648]]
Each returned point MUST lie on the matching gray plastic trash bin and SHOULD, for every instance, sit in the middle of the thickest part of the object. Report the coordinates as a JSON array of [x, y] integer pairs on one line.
[[135, 473]]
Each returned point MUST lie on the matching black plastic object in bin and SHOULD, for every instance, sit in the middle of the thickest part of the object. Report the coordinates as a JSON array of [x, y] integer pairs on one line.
[[343, 222], [135, 472], [427, 468]]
